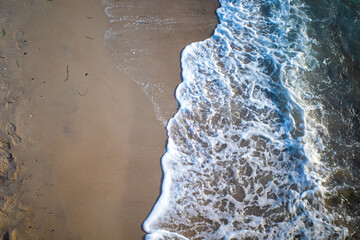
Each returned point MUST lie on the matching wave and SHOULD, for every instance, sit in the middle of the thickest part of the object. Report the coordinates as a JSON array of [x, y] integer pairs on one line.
[[244, 149]]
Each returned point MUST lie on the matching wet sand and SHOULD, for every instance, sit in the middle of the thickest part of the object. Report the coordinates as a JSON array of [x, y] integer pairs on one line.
[[81, 142]]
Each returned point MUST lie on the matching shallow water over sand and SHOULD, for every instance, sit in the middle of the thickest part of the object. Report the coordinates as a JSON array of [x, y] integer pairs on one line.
[[251, 149]]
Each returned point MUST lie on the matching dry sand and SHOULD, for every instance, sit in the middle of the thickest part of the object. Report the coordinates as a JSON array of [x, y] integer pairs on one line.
[[80, 141]]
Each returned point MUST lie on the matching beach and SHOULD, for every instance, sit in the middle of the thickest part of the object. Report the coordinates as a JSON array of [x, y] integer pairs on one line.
[[133, 119], [81, 138]]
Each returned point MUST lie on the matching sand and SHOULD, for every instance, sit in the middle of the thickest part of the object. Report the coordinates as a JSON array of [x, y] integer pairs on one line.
[[81, 140]]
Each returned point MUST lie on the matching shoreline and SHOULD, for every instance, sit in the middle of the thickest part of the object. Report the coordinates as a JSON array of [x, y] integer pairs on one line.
[[88, 164]]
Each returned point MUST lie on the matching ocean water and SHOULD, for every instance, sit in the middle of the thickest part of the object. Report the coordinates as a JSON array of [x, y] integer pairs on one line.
[[266, 141], [265, 144]]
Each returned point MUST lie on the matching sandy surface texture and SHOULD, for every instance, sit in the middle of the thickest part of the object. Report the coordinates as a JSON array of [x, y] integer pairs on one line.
[[150, 35], [80, 137]]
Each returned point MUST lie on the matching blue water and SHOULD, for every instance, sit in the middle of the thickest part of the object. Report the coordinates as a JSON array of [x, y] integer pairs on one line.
[[265, 143]]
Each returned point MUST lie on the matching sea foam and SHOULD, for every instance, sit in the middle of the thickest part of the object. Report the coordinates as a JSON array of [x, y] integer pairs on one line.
[[244, 149]]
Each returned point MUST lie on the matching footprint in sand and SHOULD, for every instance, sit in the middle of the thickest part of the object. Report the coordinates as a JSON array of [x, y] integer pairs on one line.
[[18, 36], [8, 206], [10, 130], [4, 165], [14, 94], [7, 169]]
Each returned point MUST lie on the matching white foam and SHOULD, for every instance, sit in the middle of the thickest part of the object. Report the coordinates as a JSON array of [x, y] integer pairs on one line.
[[244, 152]]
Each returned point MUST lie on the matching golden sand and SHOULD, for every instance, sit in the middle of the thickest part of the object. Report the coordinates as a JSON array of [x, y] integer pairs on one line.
[[80, 140]]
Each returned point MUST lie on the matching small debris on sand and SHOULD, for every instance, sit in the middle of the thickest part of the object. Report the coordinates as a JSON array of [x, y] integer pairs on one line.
[[67, 73], [89, 37]]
